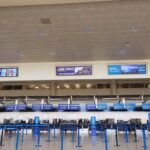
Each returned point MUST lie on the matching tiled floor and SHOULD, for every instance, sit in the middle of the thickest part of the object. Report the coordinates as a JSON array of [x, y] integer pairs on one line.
[[87, 142]]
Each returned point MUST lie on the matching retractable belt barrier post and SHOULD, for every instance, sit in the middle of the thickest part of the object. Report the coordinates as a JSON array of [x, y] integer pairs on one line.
[[37, 131]]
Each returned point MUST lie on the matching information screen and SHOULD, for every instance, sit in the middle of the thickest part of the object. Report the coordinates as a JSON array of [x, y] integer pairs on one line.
[[8, 72], [127, 69], [73, 70]]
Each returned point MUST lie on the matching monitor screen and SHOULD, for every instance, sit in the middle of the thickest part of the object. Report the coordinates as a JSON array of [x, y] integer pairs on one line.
[[126, 69], [8, 72], [73, 70]]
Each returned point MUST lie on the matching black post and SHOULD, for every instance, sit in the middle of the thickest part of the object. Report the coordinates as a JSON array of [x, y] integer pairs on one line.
[[1, 142], [116, 137]]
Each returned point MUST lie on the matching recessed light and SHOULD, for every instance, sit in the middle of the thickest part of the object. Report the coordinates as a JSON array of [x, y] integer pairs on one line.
[[67, 86], [43, 34], [52, 53], [89, 85], [36, 87], [77, 86]]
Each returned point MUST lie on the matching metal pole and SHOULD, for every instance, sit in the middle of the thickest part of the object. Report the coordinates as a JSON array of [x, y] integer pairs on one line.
[[78, 139], [105, 139], [73, 135], [61, 139], [22, 135], [2, 134], [144, 139], [116, 137], [17, 139], [38, 139], [49, 134], [135, 135], [126, 135], [54, 133]]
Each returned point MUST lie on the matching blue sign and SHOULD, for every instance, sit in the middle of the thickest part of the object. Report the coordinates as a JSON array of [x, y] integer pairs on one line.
[[73, 70], [126, 69], [36, 107], [146, 106], [63, 107], [21, 107], [101, 106], [47, 107], [130, 106], [118, 106], [10, 107], [75, 107], [90, 107]]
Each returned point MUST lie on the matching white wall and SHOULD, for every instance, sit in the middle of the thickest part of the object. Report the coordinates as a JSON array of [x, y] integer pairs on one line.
[[46, 71], [75, 115]]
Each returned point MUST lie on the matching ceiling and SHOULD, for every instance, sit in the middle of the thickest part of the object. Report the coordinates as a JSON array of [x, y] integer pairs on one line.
[[117, 30], [43, 2]]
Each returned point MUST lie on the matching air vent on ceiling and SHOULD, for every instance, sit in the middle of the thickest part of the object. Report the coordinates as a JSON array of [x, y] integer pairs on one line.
[[45, 20]]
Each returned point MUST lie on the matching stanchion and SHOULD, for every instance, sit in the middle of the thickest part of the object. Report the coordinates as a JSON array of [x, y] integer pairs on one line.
[[144, 139], [2, 135], [49, 135], [61, 139], [73, 133], [78, 139], [101, 133], [135, 135], [22, 135], [126, 135], [26, 131], [17, 139], [105, 139], [116, 137], [38, 139], [54, 136]]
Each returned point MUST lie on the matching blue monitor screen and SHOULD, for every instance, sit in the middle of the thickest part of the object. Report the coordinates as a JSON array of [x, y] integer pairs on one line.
[[36, 107], [10, 107], [73, 70], [47, 107], [21, 107], [74, 107], [127, 69], [8, 72]]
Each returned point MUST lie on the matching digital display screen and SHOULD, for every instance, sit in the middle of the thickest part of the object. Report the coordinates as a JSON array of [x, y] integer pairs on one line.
[[21, 107], [36, 107], [126, 69], [101, 106], [90, 107], [73, 70], [74, 107], [10, 107], [47, 107], [118, 106], [146, 106], [8, 72], [130, 106], [63, 107]]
